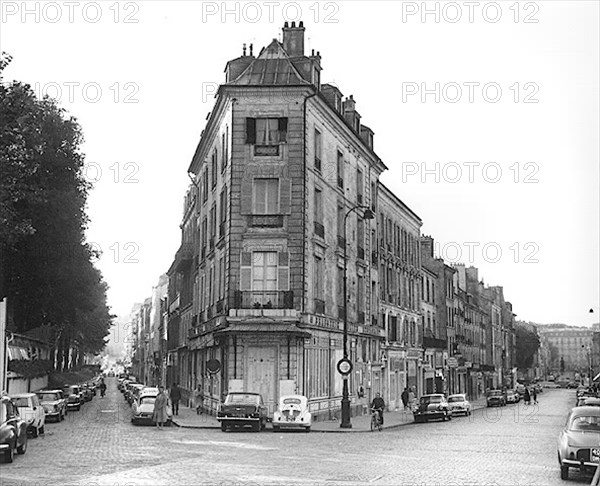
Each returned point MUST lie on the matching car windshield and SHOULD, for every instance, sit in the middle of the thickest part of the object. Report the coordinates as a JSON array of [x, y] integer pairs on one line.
[[241, 398], [48, 397], [149, 400], [21, 402], [426, 400], [495, 393], [586, 422], [456, 398], [292, 401]]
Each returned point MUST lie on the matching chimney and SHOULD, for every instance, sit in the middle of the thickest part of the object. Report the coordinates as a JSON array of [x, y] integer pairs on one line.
[[333, 96], [293, 39], [427, 246], [351, 115], [237, 66]]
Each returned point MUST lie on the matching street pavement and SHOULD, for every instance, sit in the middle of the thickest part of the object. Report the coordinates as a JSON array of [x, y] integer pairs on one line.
[[514, 445]]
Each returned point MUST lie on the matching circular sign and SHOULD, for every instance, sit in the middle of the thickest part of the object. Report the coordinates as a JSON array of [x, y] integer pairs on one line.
[[213, 365], [344, 366]]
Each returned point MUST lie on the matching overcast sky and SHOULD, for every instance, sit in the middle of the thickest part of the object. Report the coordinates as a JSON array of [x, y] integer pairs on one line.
[[486, 116]]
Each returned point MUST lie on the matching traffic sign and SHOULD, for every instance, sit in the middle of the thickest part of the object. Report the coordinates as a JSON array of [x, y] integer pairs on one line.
[[344, 366]]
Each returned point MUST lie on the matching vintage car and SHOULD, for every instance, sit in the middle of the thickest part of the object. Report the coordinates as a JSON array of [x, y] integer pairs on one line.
[[459, 404], [86, 392], [242, 409], [31, 411], [432, 407], [143, 407], [13, 430], [133, 391], [55, 405], [588, 401], [512, 396], [73, 396], [496, 398], [292, 413], [579, 441]]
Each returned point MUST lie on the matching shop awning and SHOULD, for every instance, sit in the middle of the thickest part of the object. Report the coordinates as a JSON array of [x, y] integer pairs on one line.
[[263, 328], [597, 377]]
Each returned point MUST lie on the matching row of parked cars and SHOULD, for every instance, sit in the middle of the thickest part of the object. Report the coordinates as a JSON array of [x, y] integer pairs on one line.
[[24, 415], [437, 406], [579, 440], [141, 398], [501, 398]]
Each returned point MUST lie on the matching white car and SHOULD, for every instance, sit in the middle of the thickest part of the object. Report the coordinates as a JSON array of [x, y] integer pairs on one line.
[[31, 411], [459, 404], [292, 413], [143, 407]]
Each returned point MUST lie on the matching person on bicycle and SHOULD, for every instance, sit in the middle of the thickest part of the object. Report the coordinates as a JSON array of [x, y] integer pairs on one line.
[[378, 404]]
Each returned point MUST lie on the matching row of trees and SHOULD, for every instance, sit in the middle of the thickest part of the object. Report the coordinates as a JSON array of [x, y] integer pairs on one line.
[[53, 290]]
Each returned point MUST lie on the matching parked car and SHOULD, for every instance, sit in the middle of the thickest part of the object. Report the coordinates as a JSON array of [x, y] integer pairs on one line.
[[579, 441], [31, 411], [133, 392], [71, 392], [538, 387], [459, 404], [495, 398], [520, 389], [13, 429], [143, 407], [242, 409], [292, 413], [512, 396], [588, 401], [572, 384], [434, 406], [54, 403], [86, 392]]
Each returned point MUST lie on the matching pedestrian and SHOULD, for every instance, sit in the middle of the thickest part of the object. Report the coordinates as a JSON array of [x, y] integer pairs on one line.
[[404, 397], [102, 388], [199, 399], [175, 397], [534, 394], [160, 408], [526, 396], [412, 398]]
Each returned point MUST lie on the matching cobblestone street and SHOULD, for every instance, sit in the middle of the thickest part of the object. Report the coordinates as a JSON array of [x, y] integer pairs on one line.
[[514, 446]]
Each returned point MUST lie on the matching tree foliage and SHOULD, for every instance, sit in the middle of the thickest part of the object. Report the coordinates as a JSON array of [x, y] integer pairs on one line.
[[528, 342], [47, 267]]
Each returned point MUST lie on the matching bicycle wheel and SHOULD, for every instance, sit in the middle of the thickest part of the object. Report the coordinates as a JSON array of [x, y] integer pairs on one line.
[[373, 423]]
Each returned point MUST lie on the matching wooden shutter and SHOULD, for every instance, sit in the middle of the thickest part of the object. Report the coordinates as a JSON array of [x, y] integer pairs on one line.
[[283, 271], [282, 127], [251, 130], [285, 196], [246, 271], [246, 195]]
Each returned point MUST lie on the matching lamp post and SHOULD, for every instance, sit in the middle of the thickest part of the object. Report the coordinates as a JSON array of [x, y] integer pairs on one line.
[[368, 214]]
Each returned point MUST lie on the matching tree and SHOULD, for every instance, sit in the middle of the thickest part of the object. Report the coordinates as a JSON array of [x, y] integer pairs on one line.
[[527, 344], [47, 270]]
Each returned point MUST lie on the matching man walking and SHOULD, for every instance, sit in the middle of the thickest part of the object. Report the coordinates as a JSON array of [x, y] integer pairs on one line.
[[175, 397], [404, 397]]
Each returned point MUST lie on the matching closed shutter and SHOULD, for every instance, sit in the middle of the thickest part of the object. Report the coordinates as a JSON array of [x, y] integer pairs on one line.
[[251, 130], [246, 271], [282, 127], [246, 195], [283, 271], [285, 196]]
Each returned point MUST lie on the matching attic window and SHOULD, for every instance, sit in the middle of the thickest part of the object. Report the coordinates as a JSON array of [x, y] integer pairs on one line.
[[266, 134]]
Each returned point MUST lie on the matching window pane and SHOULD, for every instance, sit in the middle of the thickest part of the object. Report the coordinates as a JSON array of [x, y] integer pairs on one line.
[[272, 203]]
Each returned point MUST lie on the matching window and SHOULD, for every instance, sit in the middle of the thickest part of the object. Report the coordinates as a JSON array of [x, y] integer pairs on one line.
[[359, 186], [223, 211], [224, 148], [360, 294], [318, 149], [205, 188], [264, 270], [266, 134], [266, 196], [318, 278], [340, 287], [214, 168], [360, 235], [340, 169], [318, 205]]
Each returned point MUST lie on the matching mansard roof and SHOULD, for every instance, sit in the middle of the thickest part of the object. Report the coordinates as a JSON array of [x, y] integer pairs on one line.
[[271, 67]]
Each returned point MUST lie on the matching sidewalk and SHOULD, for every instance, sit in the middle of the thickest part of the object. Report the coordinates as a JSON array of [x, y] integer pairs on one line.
[[188, 418]]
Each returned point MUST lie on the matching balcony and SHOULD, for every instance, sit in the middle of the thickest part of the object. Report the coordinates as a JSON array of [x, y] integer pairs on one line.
[[266, 221], [319, 306], [319, 230], [268, 150], [264, 299]]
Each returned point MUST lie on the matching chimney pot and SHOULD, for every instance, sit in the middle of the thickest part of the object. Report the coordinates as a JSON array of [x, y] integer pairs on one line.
[[244, 50], [319, 53], [313, 52], [285, 25], [301, 24], [251, 47], [293, 25]]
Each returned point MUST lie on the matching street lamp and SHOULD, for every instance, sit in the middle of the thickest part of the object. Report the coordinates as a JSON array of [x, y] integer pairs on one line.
[[368, 214]]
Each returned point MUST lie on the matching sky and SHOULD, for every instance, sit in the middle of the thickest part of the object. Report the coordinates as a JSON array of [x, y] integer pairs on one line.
[[485, 115]]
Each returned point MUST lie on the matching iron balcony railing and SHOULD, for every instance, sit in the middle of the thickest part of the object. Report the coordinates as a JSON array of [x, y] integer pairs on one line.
[[264, 299]]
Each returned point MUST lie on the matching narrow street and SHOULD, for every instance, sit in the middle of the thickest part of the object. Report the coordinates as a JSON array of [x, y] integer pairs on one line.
[[513, 446]]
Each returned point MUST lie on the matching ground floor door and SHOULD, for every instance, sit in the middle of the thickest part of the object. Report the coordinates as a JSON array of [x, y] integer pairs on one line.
[[261, 373]]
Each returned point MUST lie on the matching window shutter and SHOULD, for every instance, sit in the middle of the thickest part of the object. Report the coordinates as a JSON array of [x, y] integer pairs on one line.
[[283, 129], [246, 196], [285, 196], [246, 271], [283, 271], [250, 130]]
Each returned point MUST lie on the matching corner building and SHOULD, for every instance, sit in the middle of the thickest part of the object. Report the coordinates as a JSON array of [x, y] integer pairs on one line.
[[257, 284]]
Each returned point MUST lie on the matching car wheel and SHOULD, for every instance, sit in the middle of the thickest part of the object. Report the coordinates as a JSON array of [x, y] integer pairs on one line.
[[223, 427], [23, 447], [564, 472], [307, 429], [256, 427], [41, 430], [78, 408], [276, 428], [9, 454], [449, 416]]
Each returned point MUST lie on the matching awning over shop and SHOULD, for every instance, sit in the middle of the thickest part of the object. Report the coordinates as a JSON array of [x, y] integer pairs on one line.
[[597, 377], [266, 328]]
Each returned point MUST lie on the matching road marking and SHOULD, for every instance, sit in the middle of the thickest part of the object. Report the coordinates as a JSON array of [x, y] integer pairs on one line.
[[108, 411]]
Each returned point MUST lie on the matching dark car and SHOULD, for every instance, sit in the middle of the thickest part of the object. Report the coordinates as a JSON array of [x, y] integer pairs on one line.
[[432, 407], [496, 398], [73, 396], [13, 430], [242, 409]]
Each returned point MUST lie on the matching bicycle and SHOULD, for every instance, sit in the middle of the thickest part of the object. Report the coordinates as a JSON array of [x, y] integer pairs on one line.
[[375, 420]]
